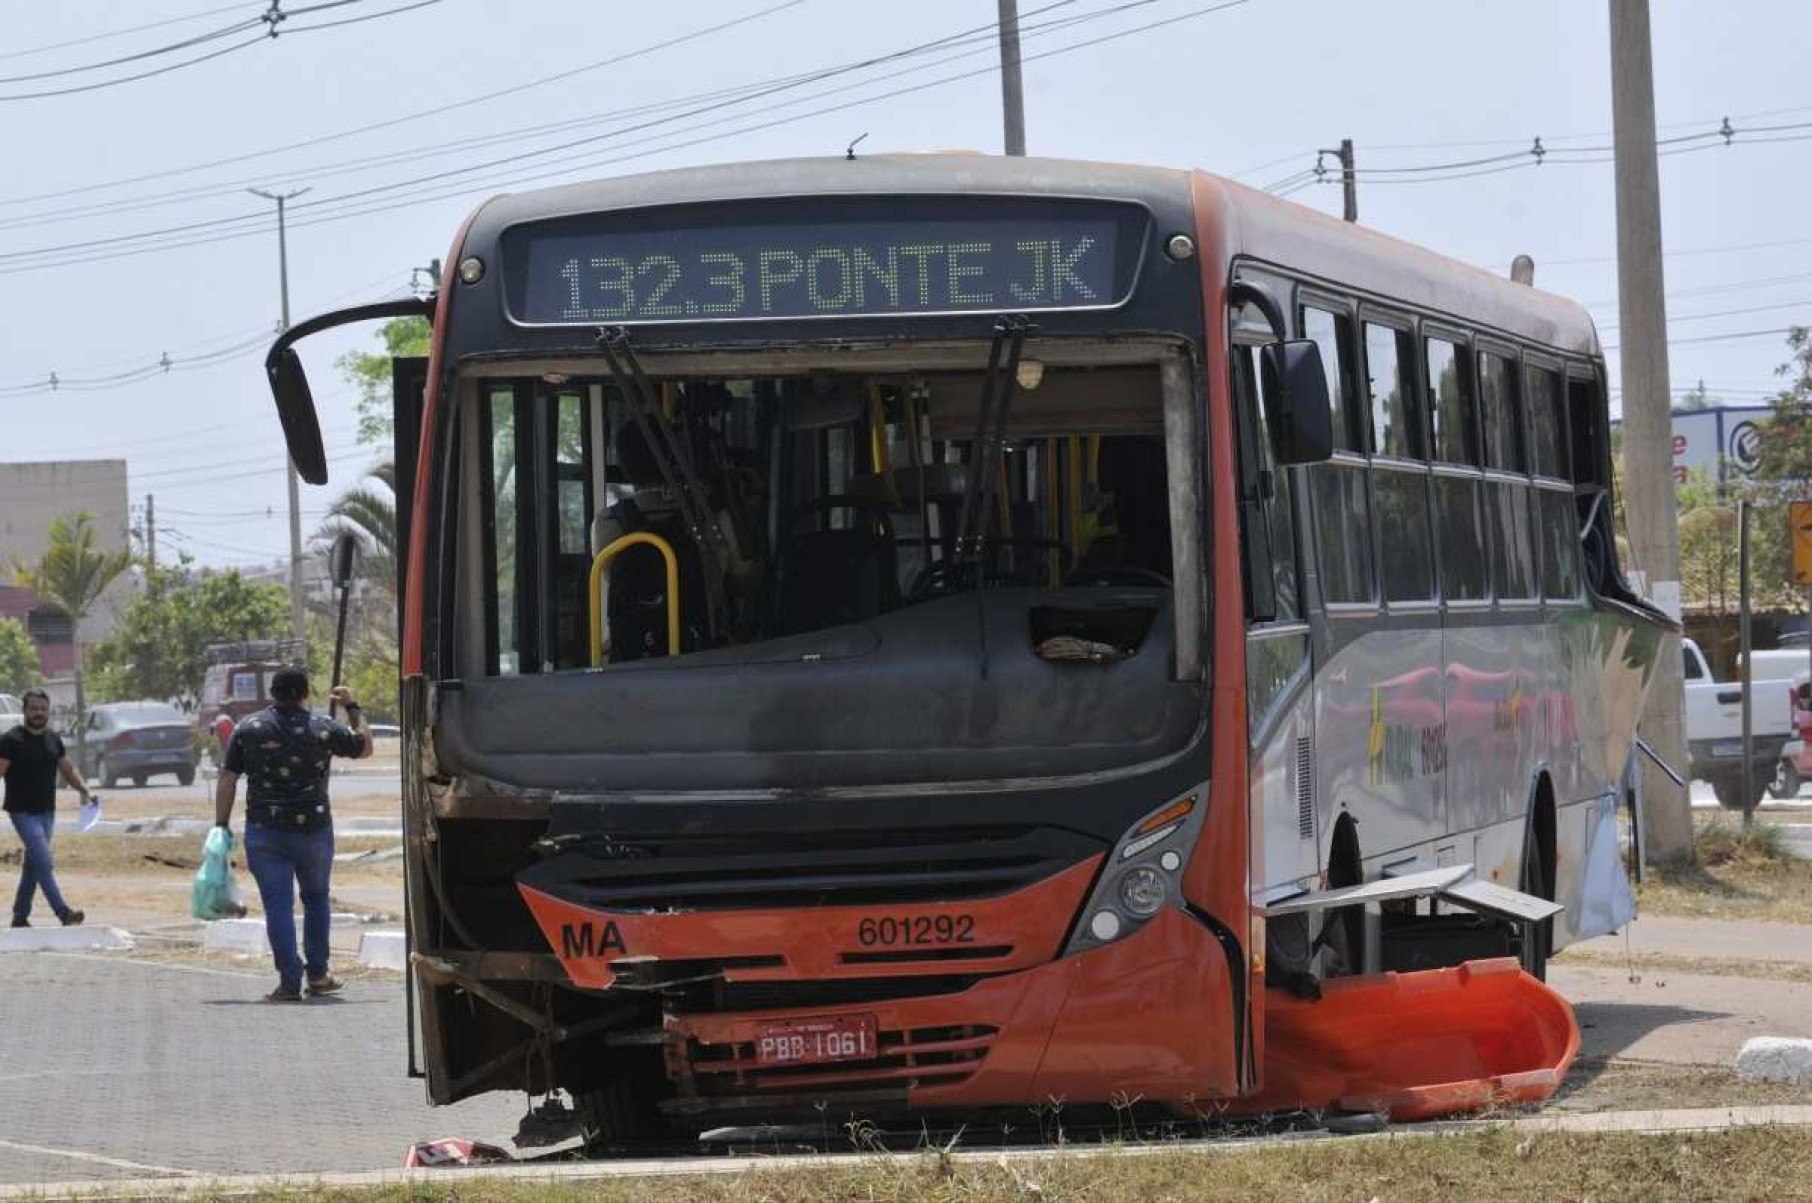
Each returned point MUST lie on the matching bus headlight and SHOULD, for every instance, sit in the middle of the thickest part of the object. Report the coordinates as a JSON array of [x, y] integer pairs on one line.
[[1143, 873], [1142, 890]]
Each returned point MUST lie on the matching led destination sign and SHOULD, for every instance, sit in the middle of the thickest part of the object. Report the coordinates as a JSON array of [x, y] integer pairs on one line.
[[695, 267]]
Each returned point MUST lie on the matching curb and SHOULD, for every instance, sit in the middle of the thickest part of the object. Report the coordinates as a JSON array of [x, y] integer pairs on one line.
[[184, 1183], [65, 939]]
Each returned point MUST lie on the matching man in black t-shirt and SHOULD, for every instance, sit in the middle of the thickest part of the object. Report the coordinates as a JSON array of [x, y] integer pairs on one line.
[[31, 756], [285, 752]]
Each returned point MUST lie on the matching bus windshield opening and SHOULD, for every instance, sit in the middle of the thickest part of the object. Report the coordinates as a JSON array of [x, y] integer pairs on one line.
[[848, 522]]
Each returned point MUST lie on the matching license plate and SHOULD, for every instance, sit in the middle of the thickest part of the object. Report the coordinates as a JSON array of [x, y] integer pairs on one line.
[[815, 1041], [1730, 747]]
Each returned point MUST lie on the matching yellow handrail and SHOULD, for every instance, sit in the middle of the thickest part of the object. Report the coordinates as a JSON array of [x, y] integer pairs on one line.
[[602, 561]]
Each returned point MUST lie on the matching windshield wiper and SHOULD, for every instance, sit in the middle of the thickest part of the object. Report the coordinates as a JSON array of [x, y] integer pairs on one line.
[[998, 387], [673, 459]]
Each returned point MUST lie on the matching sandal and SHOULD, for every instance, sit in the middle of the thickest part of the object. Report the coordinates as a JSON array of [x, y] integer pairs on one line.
[[284, 994], [325, 985]]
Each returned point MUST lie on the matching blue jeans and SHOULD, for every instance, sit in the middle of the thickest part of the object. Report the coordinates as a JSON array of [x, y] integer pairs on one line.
[[281, 861], [39, 873]]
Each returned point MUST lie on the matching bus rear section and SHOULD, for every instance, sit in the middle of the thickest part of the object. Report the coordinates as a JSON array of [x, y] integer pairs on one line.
[[815, 706]]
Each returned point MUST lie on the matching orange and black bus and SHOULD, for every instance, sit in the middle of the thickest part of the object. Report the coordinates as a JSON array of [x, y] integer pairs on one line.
[[946, 632]]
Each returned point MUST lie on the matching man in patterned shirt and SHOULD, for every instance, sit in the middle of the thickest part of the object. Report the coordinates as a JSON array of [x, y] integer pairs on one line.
[[285, 751]]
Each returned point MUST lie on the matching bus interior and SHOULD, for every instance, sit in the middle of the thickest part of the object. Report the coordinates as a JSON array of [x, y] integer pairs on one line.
[[968, 515]]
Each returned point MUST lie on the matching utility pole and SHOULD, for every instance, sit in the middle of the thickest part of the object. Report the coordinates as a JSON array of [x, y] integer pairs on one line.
[[151, 534], [1648, 412], [1012, 90], [1349, 183], [297, 625]]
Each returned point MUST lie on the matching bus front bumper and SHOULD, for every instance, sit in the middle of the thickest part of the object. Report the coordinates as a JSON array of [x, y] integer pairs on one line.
[[1002, 1019]]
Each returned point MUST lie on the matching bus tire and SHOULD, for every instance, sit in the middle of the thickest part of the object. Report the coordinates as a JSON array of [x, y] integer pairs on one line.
[[1537, 938], [618, 1115]]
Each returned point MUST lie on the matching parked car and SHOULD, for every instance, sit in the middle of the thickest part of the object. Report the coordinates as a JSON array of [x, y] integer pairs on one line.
[[1794, 664], [137, 741], [1714, 729], [12, 711]]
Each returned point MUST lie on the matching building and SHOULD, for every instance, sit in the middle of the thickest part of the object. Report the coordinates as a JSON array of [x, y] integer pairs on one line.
[[32, 495]]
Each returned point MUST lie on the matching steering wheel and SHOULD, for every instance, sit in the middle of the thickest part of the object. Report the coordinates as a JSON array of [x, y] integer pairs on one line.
[[935, 577], [1119, 574]]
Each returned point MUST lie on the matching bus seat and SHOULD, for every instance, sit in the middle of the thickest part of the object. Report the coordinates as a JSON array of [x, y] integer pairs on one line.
[[837, 576]]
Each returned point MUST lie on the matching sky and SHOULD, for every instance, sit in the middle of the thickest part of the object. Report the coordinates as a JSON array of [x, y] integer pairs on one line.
[[113, 251]]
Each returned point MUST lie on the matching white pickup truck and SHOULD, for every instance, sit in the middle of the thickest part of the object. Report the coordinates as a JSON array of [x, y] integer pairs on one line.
[[1714, 729]]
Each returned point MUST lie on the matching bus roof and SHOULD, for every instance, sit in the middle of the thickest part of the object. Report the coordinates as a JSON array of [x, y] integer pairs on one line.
[[1254, 224]]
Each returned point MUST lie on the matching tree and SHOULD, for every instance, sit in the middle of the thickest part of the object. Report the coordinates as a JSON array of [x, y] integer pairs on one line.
[[159, 648], [368, 512], [1696, 397], [71, 575], [18, 657], [369, 372]]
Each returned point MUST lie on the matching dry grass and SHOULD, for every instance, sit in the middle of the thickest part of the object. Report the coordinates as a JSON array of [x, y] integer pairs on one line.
[[1498, 1164], [1741, 875], [1626, 1084]]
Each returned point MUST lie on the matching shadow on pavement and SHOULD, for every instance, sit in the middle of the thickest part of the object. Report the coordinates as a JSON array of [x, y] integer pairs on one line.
[[1608, 1028]]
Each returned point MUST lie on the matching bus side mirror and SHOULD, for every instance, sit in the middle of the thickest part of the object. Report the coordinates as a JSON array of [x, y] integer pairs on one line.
[[1296, 394], [296, 411]]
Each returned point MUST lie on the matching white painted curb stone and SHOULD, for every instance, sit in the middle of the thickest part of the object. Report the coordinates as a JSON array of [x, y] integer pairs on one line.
[[384, 950], [1776, 1059], [65, 939], [235, 935], [247, 935]]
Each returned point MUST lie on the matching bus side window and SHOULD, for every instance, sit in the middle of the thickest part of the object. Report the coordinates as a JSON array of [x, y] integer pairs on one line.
[[1399, 478], [1343, 526], [1459, 524], [1269, 526], [501, 528], [1556, 518], [1512, 545]]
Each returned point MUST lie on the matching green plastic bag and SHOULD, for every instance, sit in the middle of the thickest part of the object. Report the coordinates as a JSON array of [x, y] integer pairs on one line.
[[216, 894]]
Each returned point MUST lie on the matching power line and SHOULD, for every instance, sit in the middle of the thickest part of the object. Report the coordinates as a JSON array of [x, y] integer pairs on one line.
[[245, 44], [337, 207], [435, 111], [243, 344], [120, 33], [1734, 336], [728, 99], [1699, 317], [211, 36]]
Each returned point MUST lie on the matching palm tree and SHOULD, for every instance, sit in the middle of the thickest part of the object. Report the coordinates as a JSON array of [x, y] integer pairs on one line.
[[368, 511], [71, 575]]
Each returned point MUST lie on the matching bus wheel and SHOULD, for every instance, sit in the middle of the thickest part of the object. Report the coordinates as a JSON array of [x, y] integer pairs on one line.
[[1538, 938], [618, 1115]]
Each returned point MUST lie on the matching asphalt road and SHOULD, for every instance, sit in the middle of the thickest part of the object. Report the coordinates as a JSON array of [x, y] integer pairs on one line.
[[117, 1067]]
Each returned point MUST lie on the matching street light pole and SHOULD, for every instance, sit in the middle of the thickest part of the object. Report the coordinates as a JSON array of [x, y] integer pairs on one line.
[[1012, 90], [1647, 409], [297, 624]]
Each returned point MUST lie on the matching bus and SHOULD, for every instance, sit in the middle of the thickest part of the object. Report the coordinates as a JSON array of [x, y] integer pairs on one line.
[[921, 634]]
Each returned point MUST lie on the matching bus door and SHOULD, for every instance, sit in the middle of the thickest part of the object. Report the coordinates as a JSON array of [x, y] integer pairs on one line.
[[1279, 701]]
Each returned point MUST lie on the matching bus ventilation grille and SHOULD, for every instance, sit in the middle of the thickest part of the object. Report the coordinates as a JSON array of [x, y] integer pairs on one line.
[[801, 869], [1305, 790], [909, 1058]]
